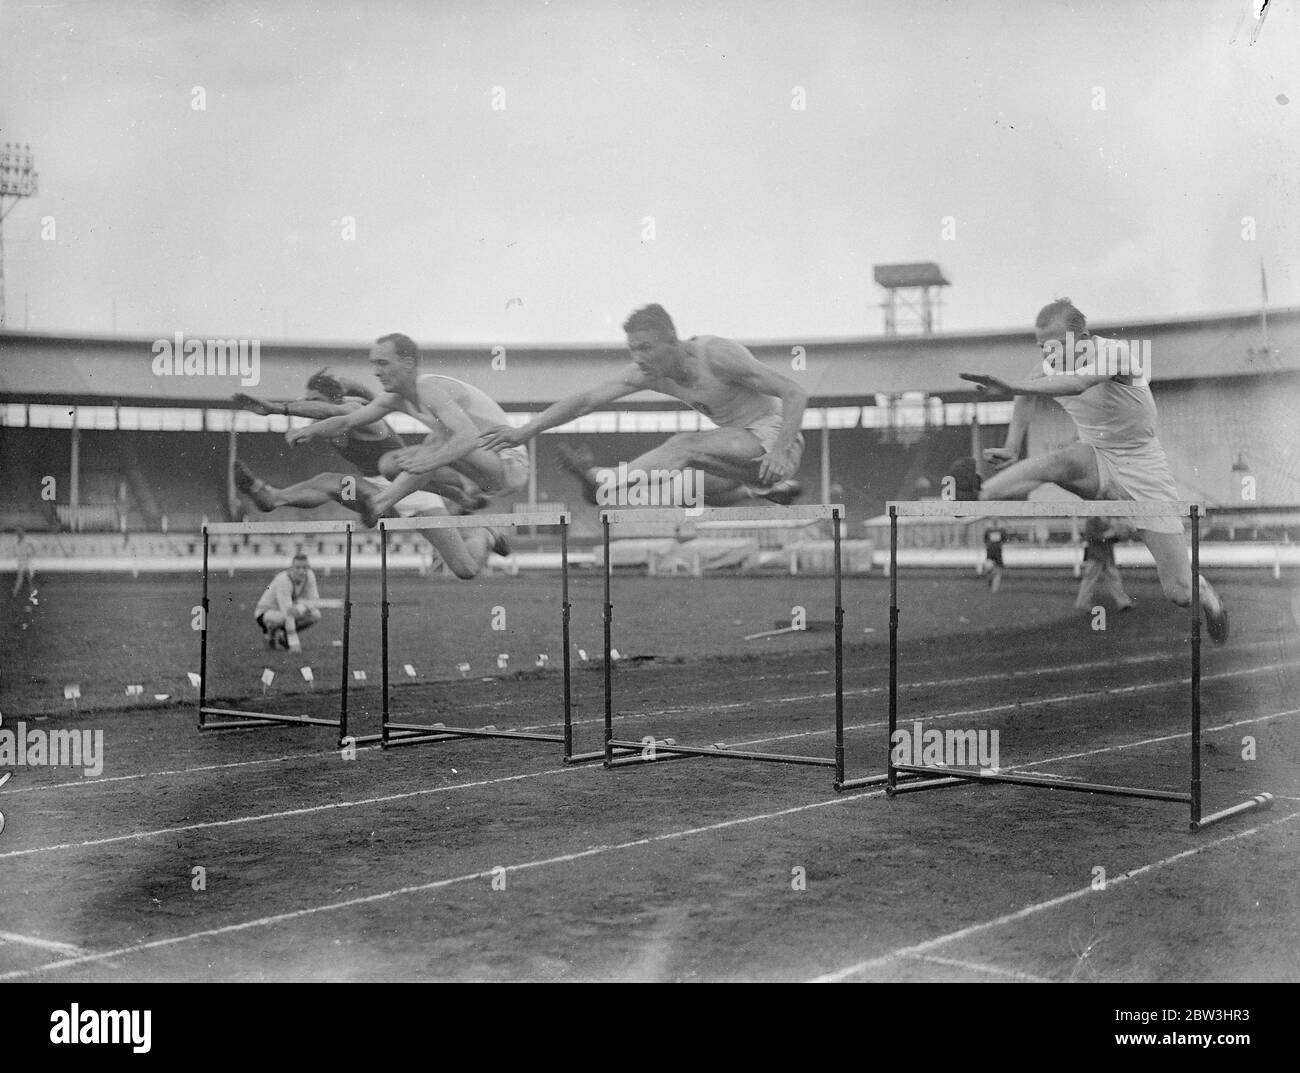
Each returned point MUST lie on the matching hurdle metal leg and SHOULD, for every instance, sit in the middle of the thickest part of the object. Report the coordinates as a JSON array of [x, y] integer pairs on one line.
[[395, 733], [621, 752], [941, 777], [203, 637], [244, 719], [347, 637]]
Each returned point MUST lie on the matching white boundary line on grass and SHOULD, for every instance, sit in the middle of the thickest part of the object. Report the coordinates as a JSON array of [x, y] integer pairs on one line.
[[923, 948]]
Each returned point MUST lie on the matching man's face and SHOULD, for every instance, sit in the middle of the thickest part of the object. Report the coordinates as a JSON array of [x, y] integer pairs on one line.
[[651, 351], [1053, 331], [389, 367], [298, 571]]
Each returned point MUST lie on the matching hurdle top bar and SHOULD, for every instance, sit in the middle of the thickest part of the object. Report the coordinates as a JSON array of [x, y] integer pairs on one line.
[[256, 528], [810, 513], [478, 521], [1041, 508]]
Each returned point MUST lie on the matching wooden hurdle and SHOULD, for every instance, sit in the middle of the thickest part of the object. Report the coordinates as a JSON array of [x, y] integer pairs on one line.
[[938, 508], [241, 719], [620, 751], [393, 732]]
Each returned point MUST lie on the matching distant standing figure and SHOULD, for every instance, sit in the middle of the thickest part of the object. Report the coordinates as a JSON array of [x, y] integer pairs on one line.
[[287, 605], [1099, 569], [994, 537], [24, 549]]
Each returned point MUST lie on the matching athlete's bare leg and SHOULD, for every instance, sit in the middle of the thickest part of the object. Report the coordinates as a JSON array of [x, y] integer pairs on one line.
[[344, 488], [1174, 565], [727, 458], [1074, 468], [446, 481], [479, 465], [465, 551]]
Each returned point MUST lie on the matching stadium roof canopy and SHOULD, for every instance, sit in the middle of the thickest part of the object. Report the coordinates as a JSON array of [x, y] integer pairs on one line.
[[98, 370]]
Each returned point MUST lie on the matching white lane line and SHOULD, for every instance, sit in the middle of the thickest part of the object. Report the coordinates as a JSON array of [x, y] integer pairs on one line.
[[1160, 740], [1030, 703], [309, 810], [561, 859], [305, 811], [177, 771], [936, 682], [977, 966], [1032, 910], [422, 888], [42, 944]]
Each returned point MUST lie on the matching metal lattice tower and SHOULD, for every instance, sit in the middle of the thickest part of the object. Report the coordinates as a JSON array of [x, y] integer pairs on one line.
[[912, 296], [18, 179]]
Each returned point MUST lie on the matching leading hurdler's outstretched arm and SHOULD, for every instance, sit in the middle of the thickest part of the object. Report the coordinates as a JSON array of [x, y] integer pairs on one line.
[[630, 380]]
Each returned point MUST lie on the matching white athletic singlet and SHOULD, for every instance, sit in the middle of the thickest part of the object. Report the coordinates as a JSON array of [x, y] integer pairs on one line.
[[1118, 420], [479, 407]]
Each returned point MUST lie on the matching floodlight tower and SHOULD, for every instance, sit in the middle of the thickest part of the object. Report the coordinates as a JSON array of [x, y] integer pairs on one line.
[[911, 296], [18, 179]]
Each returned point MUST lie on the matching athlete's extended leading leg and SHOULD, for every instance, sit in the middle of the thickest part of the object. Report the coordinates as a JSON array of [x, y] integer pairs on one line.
[[1173, 564], [716, 468]]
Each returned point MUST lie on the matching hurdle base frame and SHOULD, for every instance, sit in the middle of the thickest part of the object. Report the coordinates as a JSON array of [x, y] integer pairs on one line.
[[933, 777]]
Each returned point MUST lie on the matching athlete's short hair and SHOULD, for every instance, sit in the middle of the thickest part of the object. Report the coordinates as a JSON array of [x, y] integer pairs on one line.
[[1075, 321], [651, 318], [301, 557], [327, 384], [403, 344]]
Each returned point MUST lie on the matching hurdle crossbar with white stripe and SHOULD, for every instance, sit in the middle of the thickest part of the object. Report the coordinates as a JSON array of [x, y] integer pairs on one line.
[[410, 731], [723, 515], [935, 777], [243, 719], [272, 527], [620, 751], [1040, 508], [478, 521]]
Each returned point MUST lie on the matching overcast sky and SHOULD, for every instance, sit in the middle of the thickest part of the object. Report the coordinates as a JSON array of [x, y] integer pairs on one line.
[[528, 223]]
